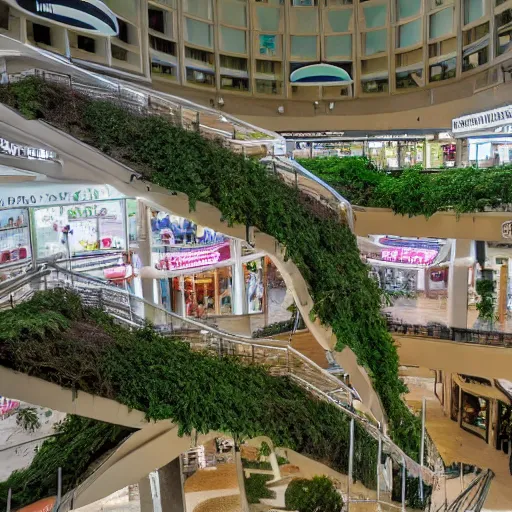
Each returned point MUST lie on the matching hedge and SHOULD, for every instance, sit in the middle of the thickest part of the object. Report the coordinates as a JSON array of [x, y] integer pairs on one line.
[[324, 250], [315, 495], [413, 192]]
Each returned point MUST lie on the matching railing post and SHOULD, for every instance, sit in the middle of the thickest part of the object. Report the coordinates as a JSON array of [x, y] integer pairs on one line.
[[252, 353], [350, 462], [379, 459], [9, 497], [404, 480], [422, 452]]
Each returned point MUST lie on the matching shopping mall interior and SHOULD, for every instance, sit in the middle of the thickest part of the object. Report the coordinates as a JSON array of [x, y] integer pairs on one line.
[[256, 255]]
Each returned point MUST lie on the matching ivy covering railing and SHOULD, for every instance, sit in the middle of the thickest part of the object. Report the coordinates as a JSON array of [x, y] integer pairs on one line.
[[316, 239], [413, 192]]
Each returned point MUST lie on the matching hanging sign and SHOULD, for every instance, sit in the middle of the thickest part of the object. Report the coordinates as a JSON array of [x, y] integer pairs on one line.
[[410, 256], [489, 119], [506, 230], [91, 16], [195, 258], [17, 150], [44, 195]]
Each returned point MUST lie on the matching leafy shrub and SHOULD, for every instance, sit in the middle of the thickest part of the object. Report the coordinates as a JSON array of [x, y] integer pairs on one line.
[[485, 306], [316, 495], [256, 488], [254, 464], [265, 450], [27, 419], [412, 192]]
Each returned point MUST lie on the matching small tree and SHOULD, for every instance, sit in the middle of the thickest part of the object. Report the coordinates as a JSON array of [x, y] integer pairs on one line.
[[485, 306], [316, 495], [28, 419]]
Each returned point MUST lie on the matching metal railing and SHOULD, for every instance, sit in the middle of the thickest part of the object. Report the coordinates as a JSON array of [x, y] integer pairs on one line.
[[442, 332]]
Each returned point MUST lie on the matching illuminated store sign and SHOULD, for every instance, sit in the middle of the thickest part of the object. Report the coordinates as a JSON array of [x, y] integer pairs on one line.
[[12, 149], [409, 256], [483, 120], [195, 258], [91, 16], [55, 194]]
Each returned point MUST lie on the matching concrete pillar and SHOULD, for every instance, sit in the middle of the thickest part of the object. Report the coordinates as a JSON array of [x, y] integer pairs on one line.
[[4, 78], [275, 466], [238, 288], [146, 496], [458, 284], [144, 250], [171, 488]]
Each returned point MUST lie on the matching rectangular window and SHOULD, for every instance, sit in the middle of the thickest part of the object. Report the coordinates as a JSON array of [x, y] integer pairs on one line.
[[42, 34], [340, 20], [410, 79], [441, 23], [375, 16], [375, 42], [408, 8], [162, 45], [377, 85], [123, 31], [473, 59], [233, 12], [304, 47], [473, 10], [443, 70], [268, 45], [475, 415], [337, 3], [119, 53], [199, 33], [268, 18], [164, 70], [234, 83], [87, 44], [474, 34], [199, 8], [269, 67], [235, 63], [233, 40], [410, 33], [156, 18], [199, 55], [269, 87], [200, 77], [338, 46]]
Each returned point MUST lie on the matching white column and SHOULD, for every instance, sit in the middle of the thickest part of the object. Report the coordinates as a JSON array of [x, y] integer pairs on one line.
[[144, 250], [458, 284], [238, 288], [3, 71]]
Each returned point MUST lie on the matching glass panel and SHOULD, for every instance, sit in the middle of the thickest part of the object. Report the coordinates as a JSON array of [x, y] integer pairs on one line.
[[475, 33], [200, 77], [410, 33], [375, 42], [268, 18], [199, 33], [235, 63], [443, 70], [407, 8], [340, 20], [268, 44], [475, 412], [232, 40], [375, 86], [338, 46], [234, 83], [306, 21], [268, 87], [200, 8], [253, 273], [475, 59], [128, 9], [304, 46], [441, 23], [233, 12], [409, 79], [473, 9], [504, 41], [375, 16]]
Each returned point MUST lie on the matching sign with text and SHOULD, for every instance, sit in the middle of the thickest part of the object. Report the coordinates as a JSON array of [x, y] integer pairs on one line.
[[20, 151], [195, 258], [45, 195], [409, 255], [489, 119]]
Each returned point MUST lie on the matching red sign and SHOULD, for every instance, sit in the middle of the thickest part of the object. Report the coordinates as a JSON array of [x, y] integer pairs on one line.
[[410, 256], [195, 258], [45, 505]]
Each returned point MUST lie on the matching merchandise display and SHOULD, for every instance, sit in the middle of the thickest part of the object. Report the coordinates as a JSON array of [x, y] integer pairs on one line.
[[14, 236]]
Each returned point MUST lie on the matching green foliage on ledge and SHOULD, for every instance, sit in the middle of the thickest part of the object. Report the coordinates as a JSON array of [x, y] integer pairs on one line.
[[165, 379], [413, 192], [324, 249]]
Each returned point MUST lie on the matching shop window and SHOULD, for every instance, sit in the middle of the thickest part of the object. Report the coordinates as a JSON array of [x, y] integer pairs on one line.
[[473, 10], [164, 70], [14, 238], [408, 8], [268, 44], [132, 212], [441, 23], [78, 230], [233, 40], [474, 34], [42, 34], [375, 16], [340, 20], [443, 70], [338, 46], [254, 291], [410, 34], [234, 83], [235, 63], [475, 415], [119, 53], [269, 86], [475, 58], [199, 55], [378, 85], [303, 47], [504, 32], [375, 42], [87, 44], [156, 20], [162, 45]]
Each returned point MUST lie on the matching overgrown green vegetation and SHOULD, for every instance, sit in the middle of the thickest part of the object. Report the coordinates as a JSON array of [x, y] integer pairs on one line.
[[413, 192], [256, 488], [324, 250], [78, 443], [318, 494], [27, 419], [486, 303]]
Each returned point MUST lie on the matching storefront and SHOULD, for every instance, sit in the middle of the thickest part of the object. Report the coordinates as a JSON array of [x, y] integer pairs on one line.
[[487, 137]]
